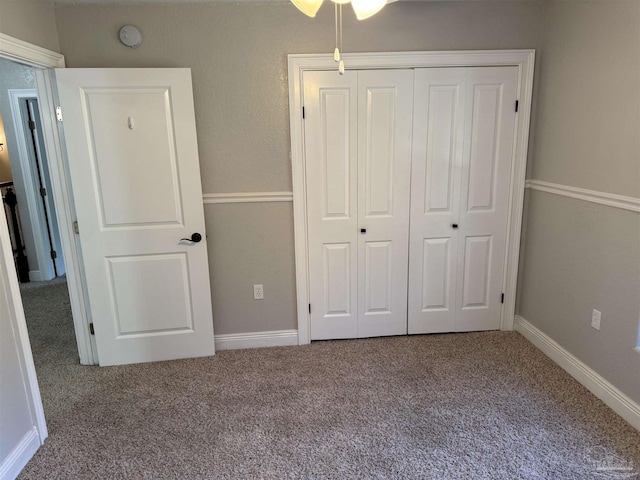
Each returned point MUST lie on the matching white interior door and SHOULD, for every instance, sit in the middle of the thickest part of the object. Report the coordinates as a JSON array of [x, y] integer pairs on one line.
[[385, 106], [484, 198], [358, 163], [45, 180], [438, 135], [133, 162], [463, 149], [331, 123]]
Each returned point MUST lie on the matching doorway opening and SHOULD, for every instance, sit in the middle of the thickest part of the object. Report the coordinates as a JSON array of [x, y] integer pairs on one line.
[[57, 258], [25, 178], [25, 182]]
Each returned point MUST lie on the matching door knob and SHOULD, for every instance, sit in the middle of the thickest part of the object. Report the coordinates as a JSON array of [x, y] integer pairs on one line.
[[195, 238], [363, 230], [454, 225]]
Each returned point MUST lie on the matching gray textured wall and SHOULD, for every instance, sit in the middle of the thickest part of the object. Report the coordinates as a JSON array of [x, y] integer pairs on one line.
[[31, 21], [578, 255], [237, 53]]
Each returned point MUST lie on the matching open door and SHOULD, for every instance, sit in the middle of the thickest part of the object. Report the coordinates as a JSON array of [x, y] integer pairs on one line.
[[134, 167]]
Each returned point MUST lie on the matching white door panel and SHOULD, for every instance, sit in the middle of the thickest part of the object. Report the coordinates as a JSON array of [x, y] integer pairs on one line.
[[435, 270], [357, 144], [407, 197], [438, 135], [134, 167], [484, 206], [463, 140], [385, 105], [332, 202], [337, 279]]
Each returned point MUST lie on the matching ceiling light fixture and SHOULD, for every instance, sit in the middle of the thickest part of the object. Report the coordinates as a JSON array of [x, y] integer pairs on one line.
[[363, 9]]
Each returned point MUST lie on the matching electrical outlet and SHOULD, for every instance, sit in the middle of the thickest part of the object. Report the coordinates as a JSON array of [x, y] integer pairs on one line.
[[258, 292], [595, 319]]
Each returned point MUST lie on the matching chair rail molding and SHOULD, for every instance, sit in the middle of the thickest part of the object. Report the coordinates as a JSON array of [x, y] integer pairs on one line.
[[247, 197], [593, 196]]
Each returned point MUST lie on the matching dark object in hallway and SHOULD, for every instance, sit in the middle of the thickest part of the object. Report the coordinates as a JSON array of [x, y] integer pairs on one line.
[[9, 199]]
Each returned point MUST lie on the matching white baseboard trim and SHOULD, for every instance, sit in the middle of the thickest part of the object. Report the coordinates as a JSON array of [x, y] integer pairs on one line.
[[596, 384], [20, 455], [277, 338], [35, 276]]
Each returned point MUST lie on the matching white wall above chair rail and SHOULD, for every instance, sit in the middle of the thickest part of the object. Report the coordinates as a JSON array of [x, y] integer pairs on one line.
[[593, 196]]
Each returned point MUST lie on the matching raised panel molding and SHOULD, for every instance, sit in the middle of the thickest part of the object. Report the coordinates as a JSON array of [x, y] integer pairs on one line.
[[602, 198], [247, 197], [595, 383]]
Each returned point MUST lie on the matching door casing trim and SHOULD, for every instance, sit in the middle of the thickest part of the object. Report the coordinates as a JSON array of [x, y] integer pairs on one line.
[[44, 61], [299, 63], [37, 222]]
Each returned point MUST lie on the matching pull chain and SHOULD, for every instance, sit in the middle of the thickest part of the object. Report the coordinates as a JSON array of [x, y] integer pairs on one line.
[[336, 52], [341, 63]]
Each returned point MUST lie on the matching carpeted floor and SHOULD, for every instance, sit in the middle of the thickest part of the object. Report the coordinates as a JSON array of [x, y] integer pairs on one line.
[[479, 405]]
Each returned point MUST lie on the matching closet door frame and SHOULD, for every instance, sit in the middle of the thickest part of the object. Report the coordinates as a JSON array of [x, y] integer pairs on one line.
[[299, 63]]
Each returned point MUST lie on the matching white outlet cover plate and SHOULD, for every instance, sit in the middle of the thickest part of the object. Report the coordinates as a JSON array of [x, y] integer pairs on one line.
[[596, 316]]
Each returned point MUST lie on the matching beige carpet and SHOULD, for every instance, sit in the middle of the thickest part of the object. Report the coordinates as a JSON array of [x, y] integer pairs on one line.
[[480, 405]]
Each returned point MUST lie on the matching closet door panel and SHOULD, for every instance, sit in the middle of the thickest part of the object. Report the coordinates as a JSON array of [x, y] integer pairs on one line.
[[488, 153], [438, 129], [385, 103], [331, 170]]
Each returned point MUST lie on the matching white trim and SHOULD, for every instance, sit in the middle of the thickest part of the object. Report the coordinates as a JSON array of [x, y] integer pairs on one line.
[[593, 196], [247, 197], [44, 61], [13, 464], [65, 213], [35, 208], [36, 276], [276, 338], [298, 64], [26, 53], [458, 58], [595, 383], [9, 281]]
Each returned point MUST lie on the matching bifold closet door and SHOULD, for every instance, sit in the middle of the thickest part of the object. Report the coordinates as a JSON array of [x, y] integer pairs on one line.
[[331, 152], [358, 161], [385, 109], [462, 154]]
